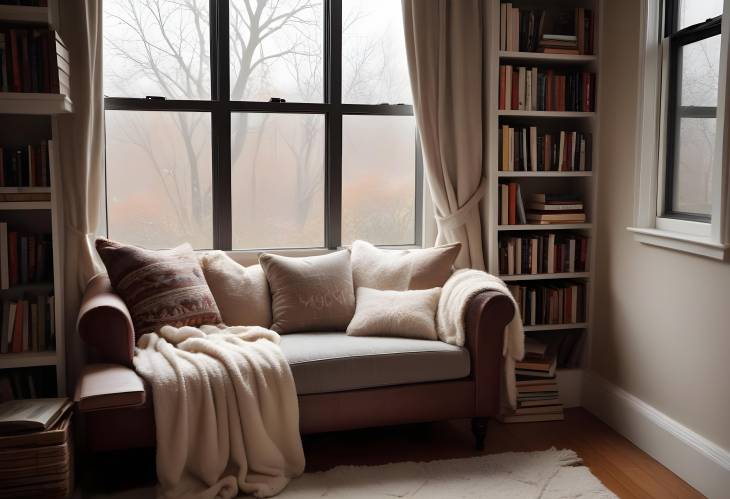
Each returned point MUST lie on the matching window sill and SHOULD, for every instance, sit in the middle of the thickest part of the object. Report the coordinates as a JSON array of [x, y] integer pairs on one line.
[[696, 245]]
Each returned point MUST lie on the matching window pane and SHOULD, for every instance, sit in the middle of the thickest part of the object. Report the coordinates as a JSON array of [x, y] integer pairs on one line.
[[694, 11], [374, 63], [277, 170], [693, 171], [700, 63], [276, 50], [158, 174], [157, 47], [379, 179]]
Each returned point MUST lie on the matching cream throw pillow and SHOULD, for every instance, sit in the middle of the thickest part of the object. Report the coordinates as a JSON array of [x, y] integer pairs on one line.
[[312, 293], [402, 269], [241, 293], [406, 314]]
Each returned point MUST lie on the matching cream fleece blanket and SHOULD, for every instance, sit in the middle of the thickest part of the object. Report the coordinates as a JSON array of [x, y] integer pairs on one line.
[[459, 289], [226, 411]]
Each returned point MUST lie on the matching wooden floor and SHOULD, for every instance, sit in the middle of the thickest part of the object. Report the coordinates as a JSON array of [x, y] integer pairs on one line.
[[620, 465]]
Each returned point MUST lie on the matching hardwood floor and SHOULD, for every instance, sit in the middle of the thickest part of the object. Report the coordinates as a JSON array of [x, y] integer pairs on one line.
[[621, 466]]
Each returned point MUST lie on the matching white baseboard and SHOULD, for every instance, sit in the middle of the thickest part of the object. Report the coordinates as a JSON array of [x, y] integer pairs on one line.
[[700, 462]]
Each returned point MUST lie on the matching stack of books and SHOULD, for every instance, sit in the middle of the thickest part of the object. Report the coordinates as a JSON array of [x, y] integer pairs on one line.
[[23, 167], [35, 448], [24, 258], [33, 60], [532, 89], [555, 209], [542, 254], [529, 149], [552, 31], [561, 302], [28, 325], [537, 389]]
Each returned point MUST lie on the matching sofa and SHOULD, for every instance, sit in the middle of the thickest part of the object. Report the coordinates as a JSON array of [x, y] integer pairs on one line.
[[343, 382]]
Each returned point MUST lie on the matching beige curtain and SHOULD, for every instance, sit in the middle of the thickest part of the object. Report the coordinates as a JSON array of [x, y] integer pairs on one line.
[[445, 46], [79, 175]]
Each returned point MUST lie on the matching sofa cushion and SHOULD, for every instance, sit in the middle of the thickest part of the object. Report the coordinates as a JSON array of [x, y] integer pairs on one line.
[[312, 293], [241, 293], [402, 269], [164, 287], [335, 362], [403, 314]]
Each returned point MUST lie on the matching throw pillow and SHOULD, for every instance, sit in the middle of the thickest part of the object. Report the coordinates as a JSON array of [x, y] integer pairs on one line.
[[313, 293], [241, 293], [402, 269], [408, 314], [159, 287]]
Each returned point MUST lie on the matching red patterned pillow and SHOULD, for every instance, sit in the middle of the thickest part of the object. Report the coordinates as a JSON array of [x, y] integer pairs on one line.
[[164, 287]]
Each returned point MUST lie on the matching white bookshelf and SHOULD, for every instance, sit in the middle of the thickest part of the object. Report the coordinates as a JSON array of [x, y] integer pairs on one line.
[[29, 118], [581, 182]]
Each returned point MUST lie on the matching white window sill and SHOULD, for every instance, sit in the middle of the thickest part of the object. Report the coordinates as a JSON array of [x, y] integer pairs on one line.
[[697, 245]]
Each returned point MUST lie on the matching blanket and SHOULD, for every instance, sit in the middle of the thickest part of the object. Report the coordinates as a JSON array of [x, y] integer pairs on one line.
[[459, 289], [226, 411]]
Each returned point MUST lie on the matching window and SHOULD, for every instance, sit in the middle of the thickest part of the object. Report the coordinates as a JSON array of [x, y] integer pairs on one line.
[[693, 38], [682, 158], [247, 124]]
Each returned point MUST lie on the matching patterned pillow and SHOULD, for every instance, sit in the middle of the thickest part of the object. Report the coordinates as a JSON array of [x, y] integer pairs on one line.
[[159, 287]]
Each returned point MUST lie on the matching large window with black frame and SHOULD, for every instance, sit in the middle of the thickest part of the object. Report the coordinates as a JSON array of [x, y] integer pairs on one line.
[[692, 54], [255, 124]]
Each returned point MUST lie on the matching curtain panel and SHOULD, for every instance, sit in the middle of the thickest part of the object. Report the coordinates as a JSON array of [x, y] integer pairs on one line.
[[80, 173], [445, 43]]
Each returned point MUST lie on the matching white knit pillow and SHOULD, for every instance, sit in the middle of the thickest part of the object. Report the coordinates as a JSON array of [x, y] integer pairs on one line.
[[407, 314]]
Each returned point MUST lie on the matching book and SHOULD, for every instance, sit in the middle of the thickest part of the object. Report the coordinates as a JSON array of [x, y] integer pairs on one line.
[[31, 415], [4, 270], [555, 206], [56, 434], [567, 217]]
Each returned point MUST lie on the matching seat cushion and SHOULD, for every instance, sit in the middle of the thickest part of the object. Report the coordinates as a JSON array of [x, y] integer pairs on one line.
[[108, 386], [335, 362]]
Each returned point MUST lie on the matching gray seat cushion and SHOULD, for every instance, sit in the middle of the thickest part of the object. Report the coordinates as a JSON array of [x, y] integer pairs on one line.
[[335, 362]]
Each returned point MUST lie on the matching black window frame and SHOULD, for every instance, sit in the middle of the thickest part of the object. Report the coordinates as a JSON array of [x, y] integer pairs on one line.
[[220, 108], [679, 38]]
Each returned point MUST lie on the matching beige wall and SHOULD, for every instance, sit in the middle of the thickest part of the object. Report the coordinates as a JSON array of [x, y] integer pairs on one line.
[[662, 317]]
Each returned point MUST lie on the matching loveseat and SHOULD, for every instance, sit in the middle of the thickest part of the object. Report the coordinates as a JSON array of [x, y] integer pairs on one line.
[[343, 382]]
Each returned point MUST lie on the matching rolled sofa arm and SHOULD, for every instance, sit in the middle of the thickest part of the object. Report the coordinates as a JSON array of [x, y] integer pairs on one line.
[[105, 323], [487, 315]]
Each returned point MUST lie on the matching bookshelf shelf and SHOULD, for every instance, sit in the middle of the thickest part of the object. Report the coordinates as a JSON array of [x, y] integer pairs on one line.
[[27, 15], [544, 114], [539, 57], [504, 174], [25, 205], [26, 190], [538, 277], [556, 327], [34, 103], [27, 359], [586, 226]]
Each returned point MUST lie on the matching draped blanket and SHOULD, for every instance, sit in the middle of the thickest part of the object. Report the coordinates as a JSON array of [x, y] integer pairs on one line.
[[226, 411], [460, 288]]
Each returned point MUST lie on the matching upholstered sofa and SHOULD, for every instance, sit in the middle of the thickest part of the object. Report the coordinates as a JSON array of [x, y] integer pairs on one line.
[[343, 382]]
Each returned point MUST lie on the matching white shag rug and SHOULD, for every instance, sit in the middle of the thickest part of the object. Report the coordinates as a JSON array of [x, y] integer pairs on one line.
[[550, 474]]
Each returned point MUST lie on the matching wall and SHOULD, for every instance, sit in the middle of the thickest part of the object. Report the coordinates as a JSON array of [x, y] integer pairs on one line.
[[662, 318]]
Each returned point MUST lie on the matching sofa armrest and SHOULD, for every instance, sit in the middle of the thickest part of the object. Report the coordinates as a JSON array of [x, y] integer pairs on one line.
[[104, 322], [486, 317], [108, 386]]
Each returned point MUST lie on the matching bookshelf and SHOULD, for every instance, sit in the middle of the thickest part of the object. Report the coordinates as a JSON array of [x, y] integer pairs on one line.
[[32, 119], [582, 183]]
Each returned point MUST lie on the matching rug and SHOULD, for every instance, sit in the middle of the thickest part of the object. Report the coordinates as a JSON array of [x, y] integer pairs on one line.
[[550, 474]]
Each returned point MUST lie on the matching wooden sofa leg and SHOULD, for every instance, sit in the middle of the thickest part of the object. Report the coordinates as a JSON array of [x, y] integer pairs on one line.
[[479, 429]]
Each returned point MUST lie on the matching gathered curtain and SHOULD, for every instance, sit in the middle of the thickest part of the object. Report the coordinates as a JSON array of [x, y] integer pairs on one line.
[[79, 175], [445, 43]]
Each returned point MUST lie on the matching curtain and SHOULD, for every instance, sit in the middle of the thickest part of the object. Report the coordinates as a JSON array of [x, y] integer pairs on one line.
[[79, 174], [445, 47]]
